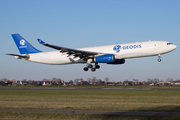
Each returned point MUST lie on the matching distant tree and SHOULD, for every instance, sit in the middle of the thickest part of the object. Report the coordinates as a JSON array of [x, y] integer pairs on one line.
[[81, 79], [161, 80], [149, 81], [24, 81], [71, 81], [135, 80], [156, 80], [53, 79], [126, 82], [89, 80], [59, 81], [4, 79], [44, 79], [106, 80], [93, 80], [99, 81], [169, 80], [178, 80], [113, 82], [76, 80], [30, 82]]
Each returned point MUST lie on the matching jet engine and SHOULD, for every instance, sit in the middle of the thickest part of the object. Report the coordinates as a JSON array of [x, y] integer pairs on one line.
[[118, 61], [108, 58]]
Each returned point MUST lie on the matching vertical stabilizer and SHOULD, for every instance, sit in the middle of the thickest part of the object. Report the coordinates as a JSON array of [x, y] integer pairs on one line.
[[23, 46]]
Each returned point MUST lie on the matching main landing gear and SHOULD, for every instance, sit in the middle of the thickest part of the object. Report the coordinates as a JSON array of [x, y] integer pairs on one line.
[[159, 59], [96, 66]]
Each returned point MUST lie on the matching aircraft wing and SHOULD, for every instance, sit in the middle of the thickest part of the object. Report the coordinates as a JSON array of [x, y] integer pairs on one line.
[[71, 52]]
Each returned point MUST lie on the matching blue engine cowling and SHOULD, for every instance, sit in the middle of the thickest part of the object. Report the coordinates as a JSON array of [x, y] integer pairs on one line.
[[108, 58], [118, 61]]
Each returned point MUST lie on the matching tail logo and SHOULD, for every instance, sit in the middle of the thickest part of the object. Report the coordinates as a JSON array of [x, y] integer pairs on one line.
[[22, 42]]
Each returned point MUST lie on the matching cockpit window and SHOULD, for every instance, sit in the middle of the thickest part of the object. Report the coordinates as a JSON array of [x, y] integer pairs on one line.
[[169, 43]]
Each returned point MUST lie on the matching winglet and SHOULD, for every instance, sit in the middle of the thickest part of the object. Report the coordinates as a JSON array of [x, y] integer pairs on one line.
[[40, 41]]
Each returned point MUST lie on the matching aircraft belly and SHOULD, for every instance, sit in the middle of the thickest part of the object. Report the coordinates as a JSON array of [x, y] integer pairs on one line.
[[136, 53], [51, 59]]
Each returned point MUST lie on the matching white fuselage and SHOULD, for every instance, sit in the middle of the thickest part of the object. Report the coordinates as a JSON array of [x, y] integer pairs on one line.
[[121, 51]]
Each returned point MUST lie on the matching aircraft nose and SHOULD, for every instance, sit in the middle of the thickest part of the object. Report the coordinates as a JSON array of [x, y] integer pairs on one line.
[[175, 46]]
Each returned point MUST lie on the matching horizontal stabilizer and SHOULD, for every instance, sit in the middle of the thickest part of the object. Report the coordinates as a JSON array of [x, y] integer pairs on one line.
[[26, 57]]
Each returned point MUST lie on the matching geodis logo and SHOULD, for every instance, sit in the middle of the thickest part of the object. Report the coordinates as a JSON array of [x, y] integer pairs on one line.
[[118, 48], [22, 43]]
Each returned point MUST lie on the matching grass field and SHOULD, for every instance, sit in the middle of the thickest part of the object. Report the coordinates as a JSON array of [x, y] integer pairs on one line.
[[153, 87], [54, 116], [101, 100], [97, 100]]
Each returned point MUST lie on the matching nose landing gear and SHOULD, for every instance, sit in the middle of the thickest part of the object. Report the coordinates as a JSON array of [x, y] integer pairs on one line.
[[159, 59]]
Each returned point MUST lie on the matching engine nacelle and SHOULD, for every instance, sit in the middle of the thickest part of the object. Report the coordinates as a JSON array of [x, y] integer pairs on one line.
[[109, 58], [118, 61]]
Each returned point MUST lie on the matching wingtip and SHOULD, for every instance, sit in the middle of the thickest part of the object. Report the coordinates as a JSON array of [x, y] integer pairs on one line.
[[40, 41]]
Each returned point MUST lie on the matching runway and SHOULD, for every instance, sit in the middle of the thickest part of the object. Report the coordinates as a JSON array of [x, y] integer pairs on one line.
[[92, 112], [159, 89]]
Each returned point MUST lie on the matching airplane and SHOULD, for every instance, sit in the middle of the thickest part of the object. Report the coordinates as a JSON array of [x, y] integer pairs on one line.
[[110, 54]]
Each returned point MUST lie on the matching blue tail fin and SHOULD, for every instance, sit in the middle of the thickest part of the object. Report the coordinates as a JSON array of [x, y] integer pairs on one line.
[[23, 46]]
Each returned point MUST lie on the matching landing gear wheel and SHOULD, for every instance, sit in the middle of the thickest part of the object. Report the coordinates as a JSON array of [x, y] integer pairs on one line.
[[93, 69], [85, 69], [97, 66], [89, 66], [159, 60]]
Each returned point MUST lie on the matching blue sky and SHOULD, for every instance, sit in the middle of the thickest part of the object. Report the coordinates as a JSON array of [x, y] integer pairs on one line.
[[86, 23]]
